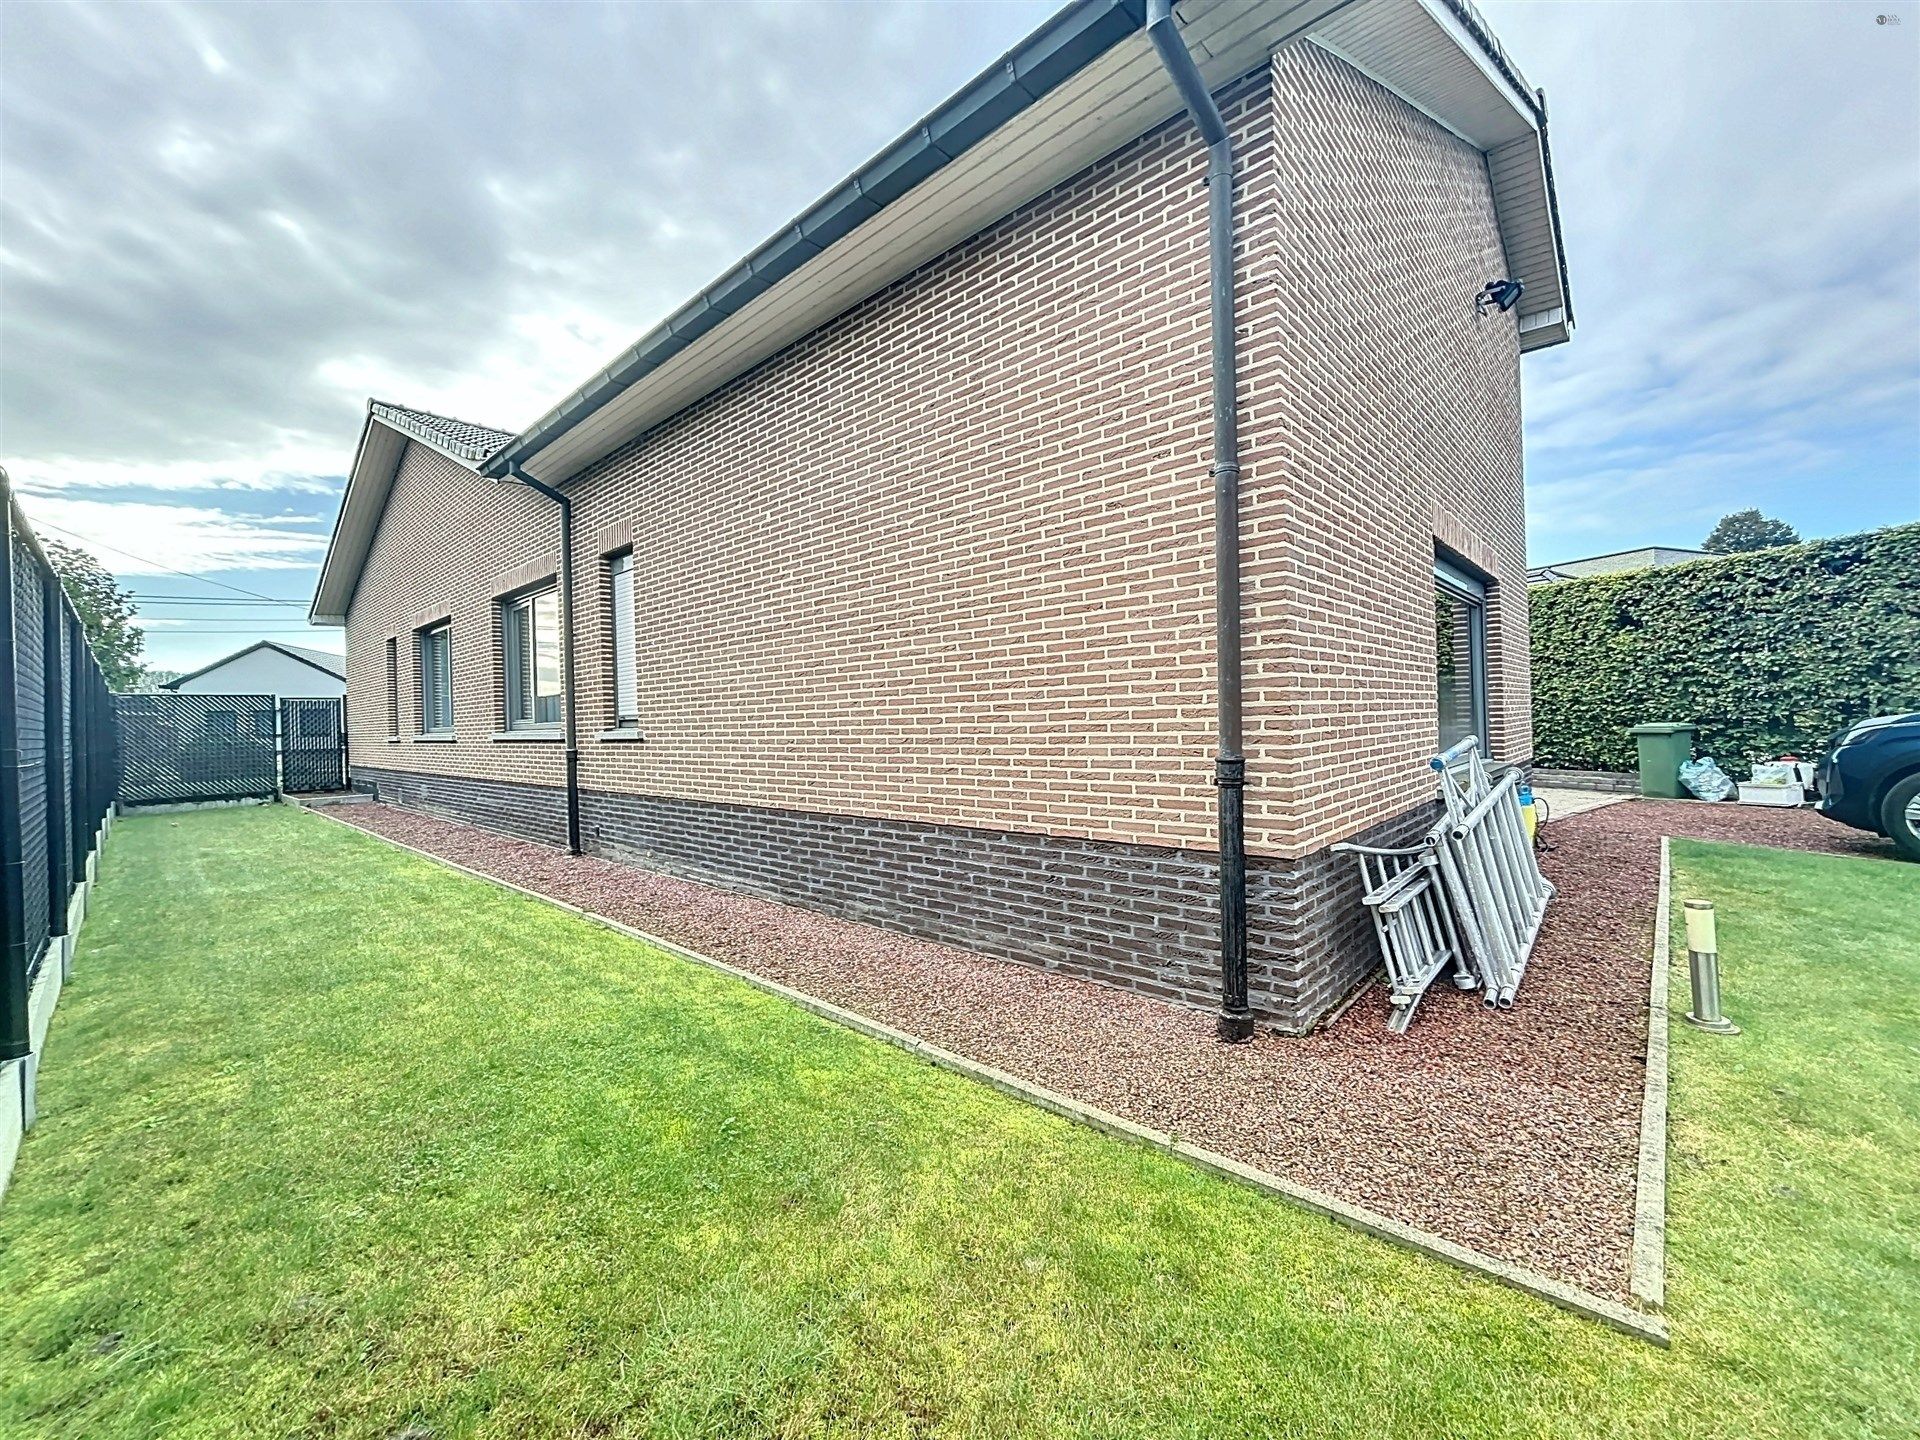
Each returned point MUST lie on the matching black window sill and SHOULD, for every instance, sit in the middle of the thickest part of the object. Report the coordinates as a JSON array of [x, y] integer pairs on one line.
[[623, 732], [551, 736]]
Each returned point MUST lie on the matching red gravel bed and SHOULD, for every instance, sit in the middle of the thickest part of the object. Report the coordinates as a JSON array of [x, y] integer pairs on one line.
[[1516, 1133], [1797, 829]]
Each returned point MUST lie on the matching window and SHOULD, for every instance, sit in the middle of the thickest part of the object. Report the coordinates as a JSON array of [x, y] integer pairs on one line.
[[263, 726], [393, 685], [1460, 641], [222, 723], [626, 679], [436, 680], [530, 654]]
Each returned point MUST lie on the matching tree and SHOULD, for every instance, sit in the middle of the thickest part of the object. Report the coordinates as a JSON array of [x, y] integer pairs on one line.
[[106, 611], [1748, 530]]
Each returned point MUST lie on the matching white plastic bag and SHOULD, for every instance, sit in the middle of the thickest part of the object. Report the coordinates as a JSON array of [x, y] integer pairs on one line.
[[1706, 779]]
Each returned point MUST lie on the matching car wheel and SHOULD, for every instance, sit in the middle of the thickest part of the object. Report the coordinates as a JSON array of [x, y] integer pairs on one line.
[[1900, 815]]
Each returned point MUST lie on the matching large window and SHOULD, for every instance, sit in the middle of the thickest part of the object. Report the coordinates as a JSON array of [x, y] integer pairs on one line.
[[626, 678], [1460, 639], [530, 646], [436, 680]]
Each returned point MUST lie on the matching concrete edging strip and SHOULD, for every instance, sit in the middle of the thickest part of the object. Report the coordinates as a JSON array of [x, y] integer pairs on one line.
[[1567, 1297], [1648, 1285]]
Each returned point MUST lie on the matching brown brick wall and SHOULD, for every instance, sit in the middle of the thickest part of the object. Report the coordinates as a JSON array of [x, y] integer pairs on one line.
[[946, 561], [448, 546], [1386, 418]]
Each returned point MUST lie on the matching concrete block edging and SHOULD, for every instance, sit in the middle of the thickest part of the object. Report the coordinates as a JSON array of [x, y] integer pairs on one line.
[[20, 1079], [1648, 1284], [1568, 1297]]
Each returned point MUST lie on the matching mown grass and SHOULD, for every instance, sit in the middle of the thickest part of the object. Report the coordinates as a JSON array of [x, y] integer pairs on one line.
[[336, 1142], [1794, 1148]]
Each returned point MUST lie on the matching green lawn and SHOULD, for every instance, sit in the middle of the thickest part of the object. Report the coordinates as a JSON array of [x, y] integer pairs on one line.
[[335, 1141]]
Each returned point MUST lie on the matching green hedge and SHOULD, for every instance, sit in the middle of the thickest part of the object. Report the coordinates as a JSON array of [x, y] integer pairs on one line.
[[1768, 653]]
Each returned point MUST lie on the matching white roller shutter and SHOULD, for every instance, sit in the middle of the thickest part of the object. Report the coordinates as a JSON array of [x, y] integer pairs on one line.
[[626, 680]]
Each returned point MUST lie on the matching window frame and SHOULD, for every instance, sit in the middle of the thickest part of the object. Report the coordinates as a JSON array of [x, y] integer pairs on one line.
[[1465, 586], [393, 687], [424, 639], [519, 632], [625, 688]]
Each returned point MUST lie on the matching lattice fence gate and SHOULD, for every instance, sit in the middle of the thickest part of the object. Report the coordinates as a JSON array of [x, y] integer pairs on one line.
[[313, 745]]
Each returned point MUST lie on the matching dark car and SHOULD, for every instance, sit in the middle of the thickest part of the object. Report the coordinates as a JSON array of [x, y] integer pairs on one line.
[[1870, 779]]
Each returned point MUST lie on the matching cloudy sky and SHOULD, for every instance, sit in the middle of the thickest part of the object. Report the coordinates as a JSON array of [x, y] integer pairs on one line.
[[223, 227]]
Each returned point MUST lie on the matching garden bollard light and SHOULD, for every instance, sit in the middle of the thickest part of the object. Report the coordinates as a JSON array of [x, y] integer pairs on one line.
[[1703, 966]]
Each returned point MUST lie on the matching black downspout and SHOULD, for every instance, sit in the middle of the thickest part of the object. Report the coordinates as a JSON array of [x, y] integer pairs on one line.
[[569, 728], [1230, 761]]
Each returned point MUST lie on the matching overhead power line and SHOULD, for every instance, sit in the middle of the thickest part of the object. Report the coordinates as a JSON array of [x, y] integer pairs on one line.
[[211, 600]]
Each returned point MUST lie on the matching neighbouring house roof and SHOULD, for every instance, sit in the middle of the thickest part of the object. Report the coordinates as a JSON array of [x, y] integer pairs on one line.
[[1646, 557], [1077, 89], [325, 660]]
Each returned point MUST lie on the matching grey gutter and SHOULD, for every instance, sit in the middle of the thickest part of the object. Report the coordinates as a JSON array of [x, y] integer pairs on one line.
[[1553, 212], [1054, 53], [1471, 21], [1230, 761]]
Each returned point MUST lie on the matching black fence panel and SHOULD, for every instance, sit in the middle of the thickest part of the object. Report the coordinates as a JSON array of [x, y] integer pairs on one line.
[[313, 745], [59, 765], [179, 748]]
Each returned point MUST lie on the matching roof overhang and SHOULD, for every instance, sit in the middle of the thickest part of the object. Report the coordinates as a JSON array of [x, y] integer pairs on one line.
[[1076, 90], [376, 461]]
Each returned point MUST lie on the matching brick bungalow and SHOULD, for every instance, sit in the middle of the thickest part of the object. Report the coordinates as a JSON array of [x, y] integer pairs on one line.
[[891, 562]]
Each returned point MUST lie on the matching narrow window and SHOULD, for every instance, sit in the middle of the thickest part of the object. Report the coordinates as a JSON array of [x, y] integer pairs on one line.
[[1460, 641], [436, 680], [530, 659], [393, 685], [626, 678]]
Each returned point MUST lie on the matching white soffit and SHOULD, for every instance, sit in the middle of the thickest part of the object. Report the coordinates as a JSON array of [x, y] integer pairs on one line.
[[1419, 50]]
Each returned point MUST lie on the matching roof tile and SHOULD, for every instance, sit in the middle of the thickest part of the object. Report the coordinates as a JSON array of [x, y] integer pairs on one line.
[[462, 437]]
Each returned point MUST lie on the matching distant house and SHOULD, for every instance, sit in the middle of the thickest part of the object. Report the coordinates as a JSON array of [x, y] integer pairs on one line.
[[268, 667], [1647, 557]]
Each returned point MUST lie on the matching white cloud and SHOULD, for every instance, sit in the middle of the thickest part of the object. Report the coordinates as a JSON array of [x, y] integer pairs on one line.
[[291, 471], [145, 539]]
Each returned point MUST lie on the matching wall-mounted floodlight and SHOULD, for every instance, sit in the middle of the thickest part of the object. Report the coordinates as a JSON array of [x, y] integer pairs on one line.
[[1502, 293]]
